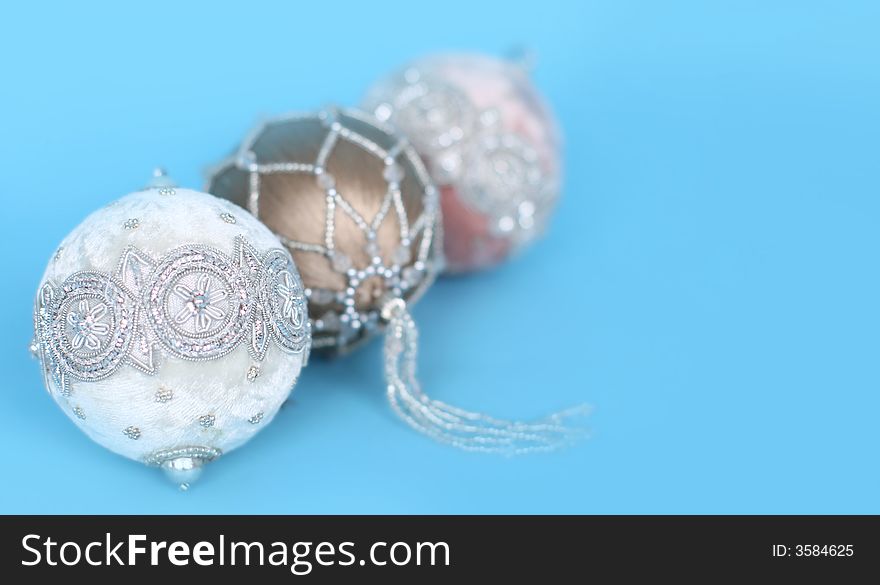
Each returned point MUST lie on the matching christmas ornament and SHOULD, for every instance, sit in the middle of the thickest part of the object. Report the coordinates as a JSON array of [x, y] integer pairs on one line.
[[171, 326], [358, 211], [490, 144], [353, 204]]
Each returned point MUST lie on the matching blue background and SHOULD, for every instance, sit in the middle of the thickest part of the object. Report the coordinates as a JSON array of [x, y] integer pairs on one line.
[[710, 283]]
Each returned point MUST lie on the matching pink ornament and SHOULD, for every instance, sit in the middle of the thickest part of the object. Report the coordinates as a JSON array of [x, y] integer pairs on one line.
[[490, 144]]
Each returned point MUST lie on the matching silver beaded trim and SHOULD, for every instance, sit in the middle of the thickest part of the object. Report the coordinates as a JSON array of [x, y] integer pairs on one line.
[[205, 454], [195, 303], [336, 321]]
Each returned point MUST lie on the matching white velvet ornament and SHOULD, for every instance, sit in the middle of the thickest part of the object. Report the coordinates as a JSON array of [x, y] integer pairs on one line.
[[171, 326]]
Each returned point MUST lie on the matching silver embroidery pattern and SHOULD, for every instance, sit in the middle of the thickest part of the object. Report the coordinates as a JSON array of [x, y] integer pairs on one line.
[[337, 321], [202, 302], [284, 301], [199, 302], [195, 303], [496, 172], [85, 327]]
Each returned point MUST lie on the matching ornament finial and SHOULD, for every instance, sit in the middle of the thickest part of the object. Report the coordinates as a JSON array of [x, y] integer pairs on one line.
[[523, 57], [183, 471], [160, 179]]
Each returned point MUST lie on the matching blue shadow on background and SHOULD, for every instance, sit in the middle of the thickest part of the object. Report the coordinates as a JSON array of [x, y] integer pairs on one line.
[[710, 283]]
